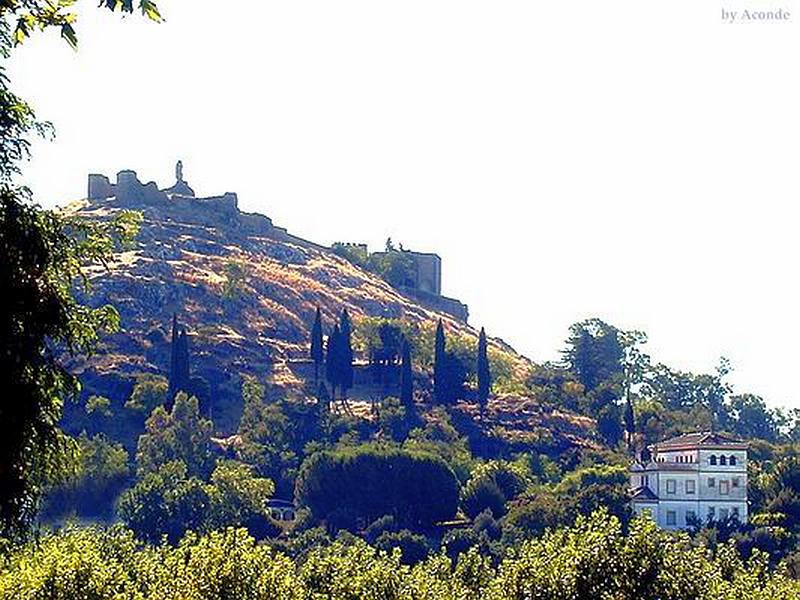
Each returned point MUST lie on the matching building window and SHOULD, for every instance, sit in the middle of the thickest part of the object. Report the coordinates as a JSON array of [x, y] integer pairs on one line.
[[723, 460], [690, 486], [670, 486], [671, 517], [723, 514], [732, 461], [723, 488], [712, 460], [711, 513], [735, 512], [735, 482], [711, 482], [691, 517]]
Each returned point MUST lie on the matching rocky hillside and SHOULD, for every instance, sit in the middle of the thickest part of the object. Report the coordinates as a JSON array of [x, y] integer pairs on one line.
[[245, 290]]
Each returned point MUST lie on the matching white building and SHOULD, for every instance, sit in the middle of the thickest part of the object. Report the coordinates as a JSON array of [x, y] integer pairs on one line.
[[692, 476]]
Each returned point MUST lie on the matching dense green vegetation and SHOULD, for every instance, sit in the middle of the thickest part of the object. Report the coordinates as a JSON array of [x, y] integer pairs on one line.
[[393, 264], [592, 559]]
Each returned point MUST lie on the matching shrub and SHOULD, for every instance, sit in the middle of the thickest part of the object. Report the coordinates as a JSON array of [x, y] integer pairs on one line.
[[101, 473], [482, 495], [413, 547], [369, 482]]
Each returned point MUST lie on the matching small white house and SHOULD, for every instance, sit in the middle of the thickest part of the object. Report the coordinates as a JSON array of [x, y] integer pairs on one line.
[[692, 476]]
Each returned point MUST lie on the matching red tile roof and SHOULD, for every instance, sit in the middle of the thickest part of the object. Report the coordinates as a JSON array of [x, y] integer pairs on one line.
[[703, 439]]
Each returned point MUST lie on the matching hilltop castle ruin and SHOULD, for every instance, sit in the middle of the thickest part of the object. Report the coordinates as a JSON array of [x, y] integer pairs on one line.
[[423, 285]]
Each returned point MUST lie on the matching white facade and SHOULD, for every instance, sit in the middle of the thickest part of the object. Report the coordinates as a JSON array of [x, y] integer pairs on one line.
[[694, 476]]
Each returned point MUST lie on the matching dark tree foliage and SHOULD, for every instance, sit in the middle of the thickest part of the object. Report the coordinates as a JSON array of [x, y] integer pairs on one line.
[[355, 486], [485, 495], [484, 374], [332, 360], [630, 418], [454, 374], [101, 475], [345, 355], [406, 378], [750, 417], [42, 255], [179, 377], [439, 367], [385, 355], [609, 424], [317, 346], [413, 547], [339, 357], [267, 434], [594, 353]]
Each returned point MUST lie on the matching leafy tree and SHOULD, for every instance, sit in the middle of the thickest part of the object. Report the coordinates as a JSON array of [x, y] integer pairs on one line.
[[90, 492], [483, 494], [484, 374], [235, 275], [33, 15], [750, 417], [239, 499], [317, 345], [490, 487], [181, 435], [99, 405], [413, 547], [406, 379], [356, 254], [385, 349], [594, 352], [44, 254], [681, 391], [266, 437], [148, 392], [166, 501], [439, 367], [440, 438]]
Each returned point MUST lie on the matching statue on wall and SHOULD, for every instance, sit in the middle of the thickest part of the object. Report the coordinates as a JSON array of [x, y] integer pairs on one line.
[[179, 171]]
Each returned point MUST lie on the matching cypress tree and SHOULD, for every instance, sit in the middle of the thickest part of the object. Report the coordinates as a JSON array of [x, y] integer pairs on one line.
[[173, 348], [345, 357], [179, 361], [406, 378], [317, 349], [323, 397], [484, 374], [332, 360], [439, 367], [630, 420]]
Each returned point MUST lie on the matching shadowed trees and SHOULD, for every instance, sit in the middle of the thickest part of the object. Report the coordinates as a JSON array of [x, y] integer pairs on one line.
[[484, 374], [339, 357], [317, 346], [406, 378]]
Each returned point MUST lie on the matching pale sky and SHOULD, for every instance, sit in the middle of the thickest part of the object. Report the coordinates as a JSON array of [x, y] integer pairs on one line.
[[634, 160]]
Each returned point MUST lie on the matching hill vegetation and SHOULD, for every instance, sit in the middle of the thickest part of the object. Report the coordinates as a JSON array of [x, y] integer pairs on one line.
[[260, 418]]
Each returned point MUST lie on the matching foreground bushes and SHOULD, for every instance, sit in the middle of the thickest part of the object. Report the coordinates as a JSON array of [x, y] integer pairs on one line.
[[593, 559]]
